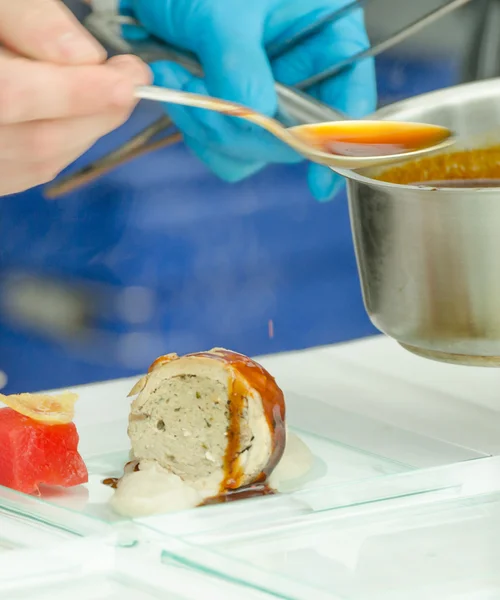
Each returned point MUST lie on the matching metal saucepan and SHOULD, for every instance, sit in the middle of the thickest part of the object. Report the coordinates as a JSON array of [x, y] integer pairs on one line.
[[429, 259]]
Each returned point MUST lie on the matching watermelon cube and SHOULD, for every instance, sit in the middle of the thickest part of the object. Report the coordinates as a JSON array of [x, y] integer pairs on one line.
[[34, 453]]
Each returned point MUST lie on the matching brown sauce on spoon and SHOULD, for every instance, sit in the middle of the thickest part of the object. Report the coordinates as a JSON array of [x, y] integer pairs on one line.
[[362, 138], [371, 138]]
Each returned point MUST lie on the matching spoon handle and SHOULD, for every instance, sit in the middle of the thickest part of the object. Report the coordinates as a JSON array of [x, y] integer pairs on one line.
[[294, 107], [161, 94]]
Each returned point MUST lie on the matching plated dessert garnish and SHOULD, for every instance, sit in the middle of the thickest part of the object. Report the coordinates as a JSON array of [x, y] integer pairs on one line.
[[39, 442], [204, 428]]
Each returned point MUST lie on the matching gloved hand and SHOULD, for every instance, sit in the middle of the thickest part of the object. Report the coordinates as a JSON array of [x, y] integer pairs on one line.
[[229, 37]]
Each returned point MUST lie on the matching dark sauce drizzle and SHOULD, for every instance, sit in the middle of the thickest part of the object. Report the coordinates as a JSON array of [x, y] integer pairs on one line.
[[247, 375], [245, 492], [131, 467]]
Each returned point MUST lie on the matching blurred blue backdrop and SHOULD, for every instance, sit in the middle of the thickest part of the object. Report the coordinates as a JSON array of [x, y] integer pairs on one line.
[[159, 256]]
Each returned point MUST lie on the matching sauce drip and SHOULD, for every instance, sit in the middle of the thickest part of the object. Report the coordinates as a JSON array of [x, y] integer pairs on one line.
[[478, 168], [371, 138], [233, 470], [131, 467], [247, 374], [242, 493]]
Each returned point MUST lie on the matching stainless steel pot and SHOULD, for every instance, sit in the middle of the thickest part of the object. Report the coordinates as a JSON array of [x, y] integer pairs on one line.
[[429, 259]]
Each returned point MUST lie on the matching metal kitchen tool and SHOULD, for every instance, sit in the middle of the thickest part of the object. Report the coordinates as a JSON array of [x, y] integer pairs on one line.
[[294, 106], [429, 258], [298, 137]]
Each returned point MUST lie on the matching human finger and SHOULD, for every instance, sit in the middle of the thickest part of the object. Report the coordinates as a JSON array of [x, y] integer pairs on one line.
[[198, 134], [32, 91], [46, 30], [51, 157], [235, 63], [54, 140], [354, 90]]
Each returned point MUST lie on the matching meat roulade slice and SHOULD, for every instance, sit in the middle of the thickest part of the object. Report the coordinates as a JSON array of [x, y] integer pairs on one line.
[[216, 419]]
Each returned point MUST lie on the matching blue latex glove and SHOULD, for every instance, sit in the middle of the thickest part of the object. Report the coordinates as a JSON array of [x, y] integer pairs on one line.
[[228, 36]]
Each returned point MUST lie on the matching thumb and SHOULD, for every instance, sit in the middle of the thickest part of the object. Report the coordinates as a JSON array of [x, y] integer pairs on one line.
[[46, 30], [236, 65]]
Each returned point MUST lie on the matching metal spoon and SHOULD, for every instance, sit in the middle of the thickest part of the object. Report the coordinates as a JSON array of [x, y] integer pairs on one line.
[[306, 139]]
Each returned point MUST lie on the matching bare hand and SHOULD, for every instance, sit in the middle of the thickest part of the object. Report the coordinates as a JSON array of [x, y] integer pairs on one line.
[[57, 96]]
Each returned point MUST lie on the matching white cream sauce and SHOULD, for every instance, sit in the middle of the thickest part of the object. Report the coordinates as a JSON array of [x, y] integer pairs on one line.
[[153, 490]]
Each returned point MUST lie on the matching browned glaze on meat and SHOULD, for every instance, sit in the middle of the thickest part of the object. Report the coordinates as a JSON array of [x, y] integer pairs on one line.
[[162, 360], [233, 471], [246, 375]]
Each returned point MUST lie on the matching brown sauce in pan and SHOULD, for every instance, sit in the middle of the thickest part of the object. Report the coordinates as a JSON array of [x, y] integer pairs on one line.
[[478, 168], [461, 183]]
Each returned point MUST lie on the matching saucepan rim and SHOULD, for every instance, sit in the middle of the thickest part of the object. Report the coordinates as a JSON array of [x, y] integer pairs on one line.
[[458, 94]]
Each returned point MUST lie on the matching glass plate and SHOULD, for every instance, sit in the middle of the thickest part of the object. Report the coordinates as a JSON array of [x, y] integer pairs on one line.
[[377, 379], [347, 447], [19, 533], [437, 539], [105, 569]]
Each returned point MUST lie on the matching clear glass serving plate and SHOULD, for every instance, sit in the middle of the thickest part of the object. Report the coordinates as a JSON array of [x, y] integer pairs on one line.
[[20, 533], [346, 446], [108, 569], [394, 508], [435, 535]]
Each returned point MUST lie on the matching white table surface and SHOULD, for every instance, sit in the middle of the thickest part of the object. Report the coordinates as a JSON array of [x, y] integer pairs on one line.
[[376, 378], [456, 403]]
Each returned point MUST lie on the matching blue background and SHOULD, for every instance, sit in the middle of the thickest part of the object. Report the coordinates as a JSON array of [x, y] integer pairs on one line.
[[214, 262]]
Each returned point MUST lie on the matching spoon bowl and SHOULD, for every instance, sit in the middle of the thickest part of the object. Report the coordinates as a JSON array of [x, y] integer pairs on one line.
[[368, 143], [339, 145]]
